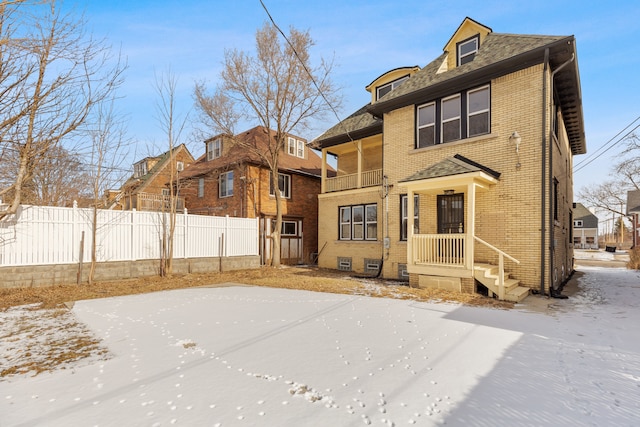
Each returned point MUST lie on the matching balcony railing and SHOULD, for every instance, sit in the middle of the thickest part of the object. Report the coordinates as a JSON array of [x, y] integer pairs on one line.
[[438, 249], [348, 182], [157, 202]]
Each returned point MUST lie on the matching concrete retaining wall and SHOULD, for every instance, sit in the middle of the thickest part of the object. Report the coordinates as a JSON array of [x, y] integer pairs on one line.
[[46, 275]]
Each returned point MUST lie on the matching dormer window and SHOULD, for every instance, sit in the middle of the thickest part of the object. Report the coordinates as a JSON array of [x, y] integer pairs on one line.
[[295, 147], [386, 88], [214, 149], [140, 169], [467, 49]]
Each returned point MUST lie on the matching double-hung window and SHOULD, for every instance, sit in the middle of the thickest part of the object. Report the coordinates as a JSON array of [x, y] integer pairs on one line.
[[214, 149], [467, 49], [478, 108], [358, 222], [451, 118], [427, 125], [403, 215], [291, 146], [201, 187], [295, 147], [284, 185], [462, 115], [226, 184]]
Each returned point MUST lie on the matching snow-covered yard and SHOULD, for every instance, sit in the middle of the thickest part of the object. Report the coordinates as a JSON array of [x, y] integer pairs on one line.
[[253, 356]]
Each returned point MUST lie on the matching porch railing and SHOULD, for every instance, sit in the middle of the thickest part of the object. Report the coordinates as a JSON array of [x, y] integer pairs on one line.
[[348, 182], [502, 255], [157, 202], [438, 249]]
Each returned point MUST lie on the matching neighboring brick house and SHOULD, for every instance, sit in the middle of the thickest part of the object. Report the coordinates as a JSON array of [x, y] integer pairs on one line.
[[633, 212], [148, 188], [481, 143], [585, 228], [231, 180]]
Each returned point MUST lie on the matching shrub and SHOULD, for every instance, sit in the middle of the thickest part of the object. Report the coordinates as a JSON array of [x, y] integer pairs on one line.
[[634, 259]]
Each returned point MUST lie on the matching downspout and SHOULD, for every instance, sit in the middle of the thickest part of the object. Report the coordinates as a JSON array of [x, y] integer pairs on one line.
[[551, 218], [543, 231]]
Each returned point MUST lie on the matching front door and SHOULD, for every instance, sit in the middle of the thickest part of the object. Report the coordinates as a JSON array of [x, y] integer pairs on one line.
[[450, 213]]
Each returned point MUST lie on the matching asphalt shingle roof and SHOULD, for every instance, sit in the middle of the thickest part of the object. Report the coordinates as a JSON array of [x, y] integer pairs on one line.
[[498, 55], [455, 165]]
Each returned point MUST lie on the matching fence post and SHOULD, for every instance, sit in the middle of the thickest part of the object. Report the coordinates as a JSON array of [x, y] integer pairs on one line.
[[185, 225], [74, 233], [133, 255], [226, 233]]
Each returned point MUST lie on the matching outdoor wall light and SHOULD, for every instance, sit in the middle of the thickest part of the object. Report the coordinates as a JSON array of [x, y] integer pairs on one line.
[[449, 192], [516, 139]]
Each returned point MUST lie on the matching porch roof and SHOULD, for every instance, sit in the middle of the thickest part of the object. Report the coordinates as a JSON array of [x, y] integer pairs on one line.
[[451, 172]]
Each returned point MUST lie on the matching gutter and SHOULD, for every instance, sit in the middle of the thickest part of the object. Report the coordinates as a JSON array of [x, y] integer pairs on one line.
[[552, 246], [543, 204]]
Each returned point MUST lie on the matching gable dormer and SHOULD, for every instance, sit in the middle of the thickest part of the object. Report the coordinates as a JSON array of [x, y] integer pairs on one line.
[[144, 166], [389, 81], [465, 43]]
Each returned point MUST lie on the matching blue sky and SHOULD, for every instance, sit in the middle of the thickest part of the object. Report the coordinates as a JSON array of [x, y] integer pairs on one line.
[[366, 38]]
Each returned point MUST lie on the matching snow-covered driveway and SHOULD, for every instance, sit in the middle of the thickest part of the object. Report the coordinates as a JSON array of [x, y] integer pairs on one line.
[[251, 356]]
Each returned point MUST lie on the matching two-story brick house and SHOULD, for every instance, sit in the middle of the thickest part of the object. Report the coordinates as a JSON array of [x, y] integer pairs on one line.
[[148, 189], [230, 179], [460, 170]]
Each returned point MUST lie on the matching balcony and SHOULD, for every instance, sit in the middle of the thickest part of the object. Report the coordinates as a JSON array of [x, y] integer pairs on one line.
[[369, 178], [157, 202]]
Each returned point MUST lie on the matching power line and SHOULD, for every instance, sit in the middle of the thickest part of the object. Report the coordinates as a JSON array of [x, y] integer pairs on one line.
[[313, 80], [589, 158], [588, 161]]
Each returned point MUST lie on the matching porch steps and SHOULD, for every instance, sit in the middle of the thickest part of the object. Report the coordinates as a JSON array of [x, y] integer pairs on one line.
[[487, 274]]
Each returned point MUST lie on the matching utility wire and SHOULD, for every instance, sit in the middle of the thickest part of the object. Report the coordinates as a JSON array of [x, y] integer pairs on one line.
[[313, 80], [586, 162], [589, 158]]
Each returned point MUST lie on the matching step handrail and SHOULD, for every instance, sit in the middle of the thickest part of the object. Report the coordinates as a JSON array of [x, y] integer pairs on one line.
[[501, 255]]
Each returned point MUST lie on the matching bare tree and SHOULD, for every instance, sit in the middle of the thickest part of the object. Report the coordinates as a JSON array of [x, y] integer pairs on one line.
[[172, 125], [60, 178], [277, 87], [611, 195], [51, 76], [109, 148]]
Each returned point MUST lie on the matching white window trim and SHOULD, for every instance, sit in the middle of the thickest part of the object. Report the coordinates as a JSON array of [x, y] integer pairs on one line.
[[577, 223], [200, 188], [300, 149], [432, 124], [229, 189], [393, 85], [352, 223], [214, 149], [295, 228], [451, 119], [475, 113], [291, 146], [403, 215], [282, 192], [461, 56]]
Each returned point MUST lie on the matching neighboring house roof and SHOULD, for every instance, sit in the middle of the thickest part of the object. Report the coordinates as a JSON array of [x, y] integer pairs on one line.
[[140, 182], [498, 55], [455, 165], [588, 219], [238, 153], [633, 202]]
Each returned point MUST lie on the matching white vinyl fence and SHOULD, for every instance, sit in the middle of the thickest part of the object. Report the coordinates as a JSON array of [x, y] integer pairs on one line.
[[40, 235]]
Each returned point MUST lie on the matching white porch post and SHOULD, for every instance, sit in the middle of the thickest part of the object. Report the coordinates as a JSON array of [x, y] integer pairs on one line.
[[323, 173], [359, 177], [410, 215], [471, 226]]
